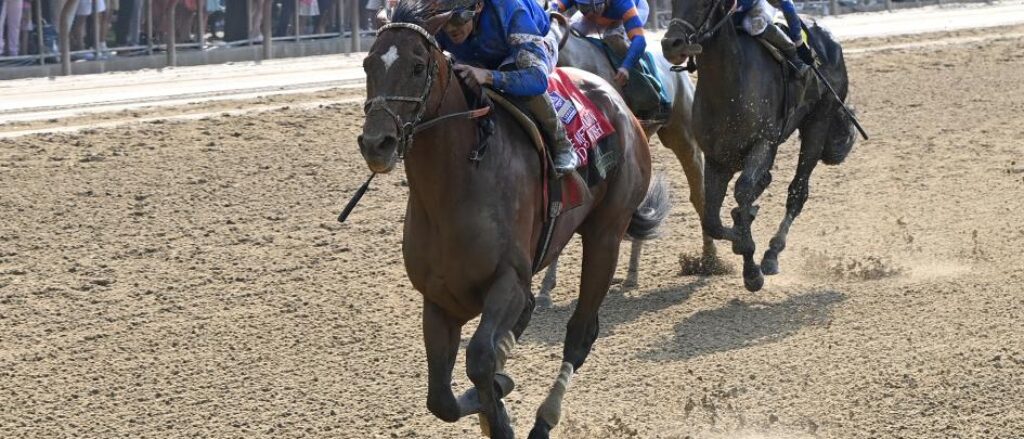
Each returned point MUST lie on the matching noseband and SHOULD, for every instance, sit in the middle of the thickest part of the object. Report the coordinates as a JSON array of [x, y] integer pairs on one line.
[[699, 34], [408, 129]]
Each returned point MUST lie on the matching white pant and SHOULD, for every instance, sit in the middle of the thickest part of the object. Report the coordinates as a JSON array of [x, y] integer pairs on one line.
[[586, 27], [759, 17], [10, 23]]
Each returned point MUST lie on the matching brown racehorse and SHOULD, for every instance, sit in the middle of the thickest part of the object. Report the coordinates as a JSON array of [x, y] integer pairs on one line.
[[471, 230]]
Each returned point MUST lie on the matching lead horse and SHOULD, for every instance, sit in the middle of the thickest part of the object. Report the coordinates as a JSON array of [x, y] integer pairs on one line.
[[742, 112], [471, 229], [676, 134]]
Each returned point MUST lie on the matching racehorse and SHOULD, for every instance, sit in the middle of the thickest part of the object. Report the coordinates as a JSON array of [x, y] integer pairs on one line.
[[743, 111], [472, 228], [676, 134]]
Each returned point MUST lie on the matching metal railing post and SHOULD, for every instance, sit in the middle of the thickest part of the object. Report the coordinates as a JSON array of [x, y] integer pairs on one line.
[[201, 32], [172, 50], [95, 28], [149, 27], [888, 5], [652, 16], [295, 21], [341, 23], [354, 21], [39, 32], [833, 5], [268, 33]]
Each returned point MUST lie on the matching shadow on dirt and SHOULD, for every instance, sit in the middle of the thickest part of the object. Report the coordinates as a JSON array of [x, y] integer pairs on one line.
[[741, 324], [548, 326]]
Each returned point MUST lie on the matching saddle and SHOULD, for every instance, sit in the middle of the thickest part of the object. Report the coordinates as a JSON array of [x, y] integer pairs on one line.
[[568, 192], [644, 92], [798, 93]]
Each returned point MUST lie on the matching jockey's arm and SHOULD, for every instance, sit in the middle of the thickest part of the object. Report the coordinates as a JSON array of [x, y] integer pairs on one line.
[[793, 20], [637, 40], [531, 67]]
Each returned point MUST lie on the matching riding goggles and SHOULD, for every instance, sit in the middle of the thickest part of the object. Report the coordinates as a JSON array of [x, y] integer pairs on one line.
[[461, 16], [586, 8]]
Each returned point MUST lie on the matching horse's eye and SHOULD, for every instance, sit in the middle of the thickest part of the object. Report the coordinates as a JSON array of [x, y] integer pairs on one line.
[[419, 68]]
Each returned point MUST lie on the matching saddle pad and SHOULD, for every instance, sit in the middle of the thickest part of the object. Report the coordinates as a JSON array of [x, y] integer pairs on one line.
[[584, 122]]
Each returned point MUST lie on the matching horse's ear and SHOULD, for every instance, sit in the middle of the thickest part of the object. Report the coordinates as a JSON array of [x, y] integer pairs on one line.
[[434, 23]]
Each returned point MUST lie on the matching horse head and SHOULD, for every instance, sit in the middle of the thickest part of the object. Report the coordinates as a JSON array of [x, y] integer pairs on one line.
[[693, 22], [403, 69]]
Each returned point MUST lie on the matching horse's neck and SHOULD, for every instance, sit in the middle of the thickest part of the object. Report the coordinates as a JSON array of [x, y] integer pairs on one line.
[[438, 159], [721, 61]]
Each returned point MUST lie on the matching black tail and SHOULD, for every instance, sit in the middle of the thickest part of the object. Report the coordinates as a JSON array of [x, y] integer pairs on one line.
[[840, 138], [655, 207]]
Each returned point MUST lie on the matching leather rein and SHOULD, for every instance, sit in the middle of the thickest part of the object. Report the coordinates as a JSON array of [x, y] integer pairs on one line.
[[699, 34]]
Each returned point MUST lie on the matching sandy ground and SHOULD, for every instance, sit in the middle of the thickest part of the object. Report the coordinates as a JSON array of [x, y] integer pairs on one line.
[[188, 279]]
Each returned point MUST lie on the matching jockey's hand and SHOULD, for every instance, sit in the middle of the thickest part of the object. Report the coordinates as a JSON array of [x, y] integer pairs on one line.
[[474, 74], [621, 76]]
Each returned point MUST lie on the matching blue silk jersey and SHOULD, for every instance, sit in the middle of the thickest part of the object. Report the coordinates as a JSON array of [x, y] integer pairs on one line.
[[624, 12], [508, 33]]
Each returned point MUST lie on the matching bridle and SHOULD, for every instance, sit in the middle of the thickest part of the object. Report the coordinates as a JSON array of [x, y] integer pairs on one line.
[[410, 128], [699, 34]]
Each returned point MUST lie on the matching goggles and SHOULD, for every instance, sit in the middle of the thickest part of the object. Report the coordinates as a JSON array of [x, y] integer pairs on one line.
[[461, 16], [586, 8]]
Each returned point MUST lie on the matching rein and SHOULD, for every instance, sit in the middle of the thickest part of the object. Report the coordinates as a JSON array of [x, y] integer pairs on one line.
[[408, 129], [699, 34]]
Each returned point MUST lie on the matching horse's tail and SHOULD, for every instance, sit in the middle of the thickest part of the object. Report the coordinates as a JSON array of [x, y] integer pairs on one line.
[[840, 137], [652, 211]]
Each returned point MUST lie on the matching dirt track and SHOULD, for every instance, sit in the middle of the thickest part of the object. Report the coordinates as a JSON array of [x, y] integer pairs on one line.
[[188, 279]]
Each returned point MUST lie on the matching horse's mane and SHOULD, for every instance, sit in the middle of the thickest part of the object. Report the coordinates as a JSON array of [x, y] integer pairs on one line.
[[413, 12]]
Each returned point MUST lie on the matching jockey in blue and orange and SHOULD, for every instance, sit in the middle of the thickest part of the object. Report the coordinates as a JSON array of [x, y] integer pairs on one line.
[[757, 18], [621, 20], [506, 44]]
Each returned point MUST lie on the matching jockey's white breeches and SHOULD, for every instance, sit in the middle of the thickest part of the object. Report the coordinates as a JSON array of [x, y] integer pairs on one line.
[[759, 17]]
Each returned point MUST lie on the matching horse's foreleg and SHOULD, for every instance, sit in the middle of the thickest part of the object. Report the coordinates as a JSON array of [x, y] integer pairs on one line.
[[799, 189], [600, 254], [441, 337], [690, 157], [749, 186], [716, 182], [487, 350]]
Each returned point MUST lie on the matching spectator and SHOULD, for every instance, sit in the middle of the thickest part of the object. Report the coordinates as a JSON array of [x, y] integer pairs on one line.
[[328, 12], [83, 13], [307, 10], [10, 25], [256, 20]]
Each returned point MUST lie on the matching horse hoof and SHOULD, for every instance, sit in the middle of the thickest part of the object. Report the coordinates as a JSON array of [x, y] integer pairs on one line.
[[541, 430], [543, 302], [753, 283], [504, 382], [769, 267]]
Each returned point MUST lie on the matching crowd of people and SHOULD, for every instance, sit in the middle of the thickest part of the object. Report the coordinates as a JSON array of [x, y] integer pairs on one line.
[[124, 24]]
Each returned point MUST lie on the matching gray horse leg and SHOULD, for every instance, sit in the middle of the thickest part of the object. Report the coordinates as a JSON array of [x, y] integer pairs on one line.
[[548, 284], [503, 306], [810, 151], [634, 265], [690, 156], [749, 186], [716, 182]]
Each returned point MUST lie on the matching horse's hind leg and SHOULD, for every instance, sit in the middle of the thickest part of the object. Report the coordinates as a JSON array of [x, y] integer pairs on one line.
[[600, 254], [812, 139], [503, 311], [751, 183], [632, 272]]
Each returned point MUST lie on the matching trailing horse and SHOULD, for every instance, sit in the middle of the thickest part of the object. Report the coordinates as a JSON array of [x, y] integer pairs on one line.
[[745, 106], [676, 134], [472, 228]]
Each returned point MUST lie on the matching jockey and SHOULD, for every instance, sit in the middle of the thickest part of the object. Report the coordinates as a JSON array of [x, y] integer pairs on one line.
[[758, 20], [509, 40], [621, 20]]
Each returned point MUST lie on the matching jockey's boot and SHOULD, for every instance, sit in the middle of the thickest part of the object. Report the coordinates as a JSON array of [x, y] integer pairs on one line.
[[564, 155], [776, 37]]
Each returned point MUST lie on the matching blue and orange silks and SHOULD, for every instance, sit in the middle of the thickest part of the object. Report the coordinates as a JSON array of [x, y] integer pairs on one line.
[[626, 13]]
